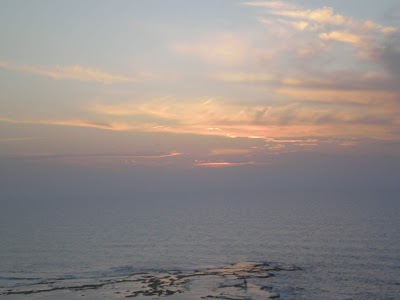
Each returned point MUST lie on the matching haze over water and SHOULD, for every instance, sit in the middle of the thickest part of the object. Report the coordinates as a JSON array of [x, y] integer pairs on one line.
[[173, 136], [347, 243]]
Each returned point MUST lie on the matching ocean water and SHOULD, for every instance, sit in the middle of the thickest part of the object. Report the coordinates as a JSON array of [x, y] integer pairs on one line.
[[347, 245]]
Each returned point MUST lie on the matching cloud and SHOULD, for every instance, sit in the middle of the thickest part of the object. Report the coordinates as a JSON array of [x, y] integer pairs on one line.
[[343, 80], [321, 16], [75, 72], [223, 164], [203, 116], [225, 48], [292, 140], [344, 37], [276, 147], [390, 58], [246, 78], [370, 25], [326, 24], [271, 4], [108, 159], [339, 96], [230, 151], [144, 155], [325, 15], [223, 118], [74, 123], [366, 84]]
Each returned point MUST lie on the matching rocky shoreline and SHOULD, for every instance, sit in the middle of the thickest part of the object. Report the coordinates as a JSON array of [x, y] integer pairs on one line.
[[239, 281]]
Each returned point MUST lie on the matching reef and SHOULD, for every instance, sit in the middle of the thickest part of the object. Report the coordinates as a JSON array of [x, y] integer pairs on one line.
[[239, 281]]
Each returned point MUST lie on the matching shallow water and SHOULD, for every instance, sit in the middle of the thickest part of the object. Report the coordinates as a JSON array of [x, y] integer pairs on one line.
[[348, 246]]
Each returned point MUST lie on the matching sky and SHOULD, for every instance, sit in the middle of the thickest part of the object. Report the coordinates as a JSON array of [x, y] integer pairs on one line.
[[234, 89]]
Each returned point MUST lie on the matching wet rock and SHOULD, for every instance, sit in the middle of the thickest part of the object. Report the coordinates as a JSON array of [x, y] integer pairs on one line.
[[240, 281]]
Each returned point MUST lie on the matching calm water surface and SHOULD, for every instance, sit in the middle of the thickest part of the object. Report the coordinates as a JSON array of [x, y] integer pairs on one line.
[[348, 246]]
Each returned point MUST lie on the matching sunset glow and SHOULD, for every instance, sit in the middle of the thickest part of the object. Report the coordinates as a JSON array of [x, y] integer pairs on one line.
[[176, 149], [276, 70]]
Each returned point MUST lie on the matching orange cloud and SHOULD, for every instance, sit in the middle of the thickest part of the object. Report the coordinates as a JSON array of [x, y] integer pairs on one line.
[[292, 140], [216, 117], [221, 118], [222, 164], [344, 37], [326, 24], [323, 15], [271, 4], [370, 25]]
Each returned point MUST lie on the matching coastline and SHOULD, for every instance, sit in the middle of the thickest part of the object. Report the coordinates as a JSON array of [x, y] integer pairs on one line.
[[245, 280]]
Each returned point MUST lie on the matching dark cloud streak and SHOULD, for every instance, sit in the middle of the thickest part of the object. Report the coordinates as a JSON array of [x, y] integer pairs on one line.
[[390, 57]]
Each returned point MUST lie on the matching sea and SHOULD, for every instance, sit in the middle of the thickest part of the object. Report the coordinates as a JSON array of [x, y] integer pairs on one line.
[[346, 245]]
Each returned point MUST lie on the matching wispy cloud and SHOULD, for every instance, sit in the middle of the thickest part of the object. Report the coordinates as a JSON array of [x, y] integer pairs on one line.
[[325, 15], [218, 117], [148, 158], [318, 59], [249, 120], [75, 72], [344, 37], [144, 155], [343, 86], [390, 57], [271, 4], [252, 78], [223, 164], [320, 16], [74, 123], [327, 25], [230, 151], [221, 48], [340, 96]]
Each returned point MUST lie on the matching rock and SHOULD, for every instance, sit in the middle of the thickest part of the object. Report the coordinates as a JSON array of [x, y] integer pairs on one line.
[[235, 282]]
